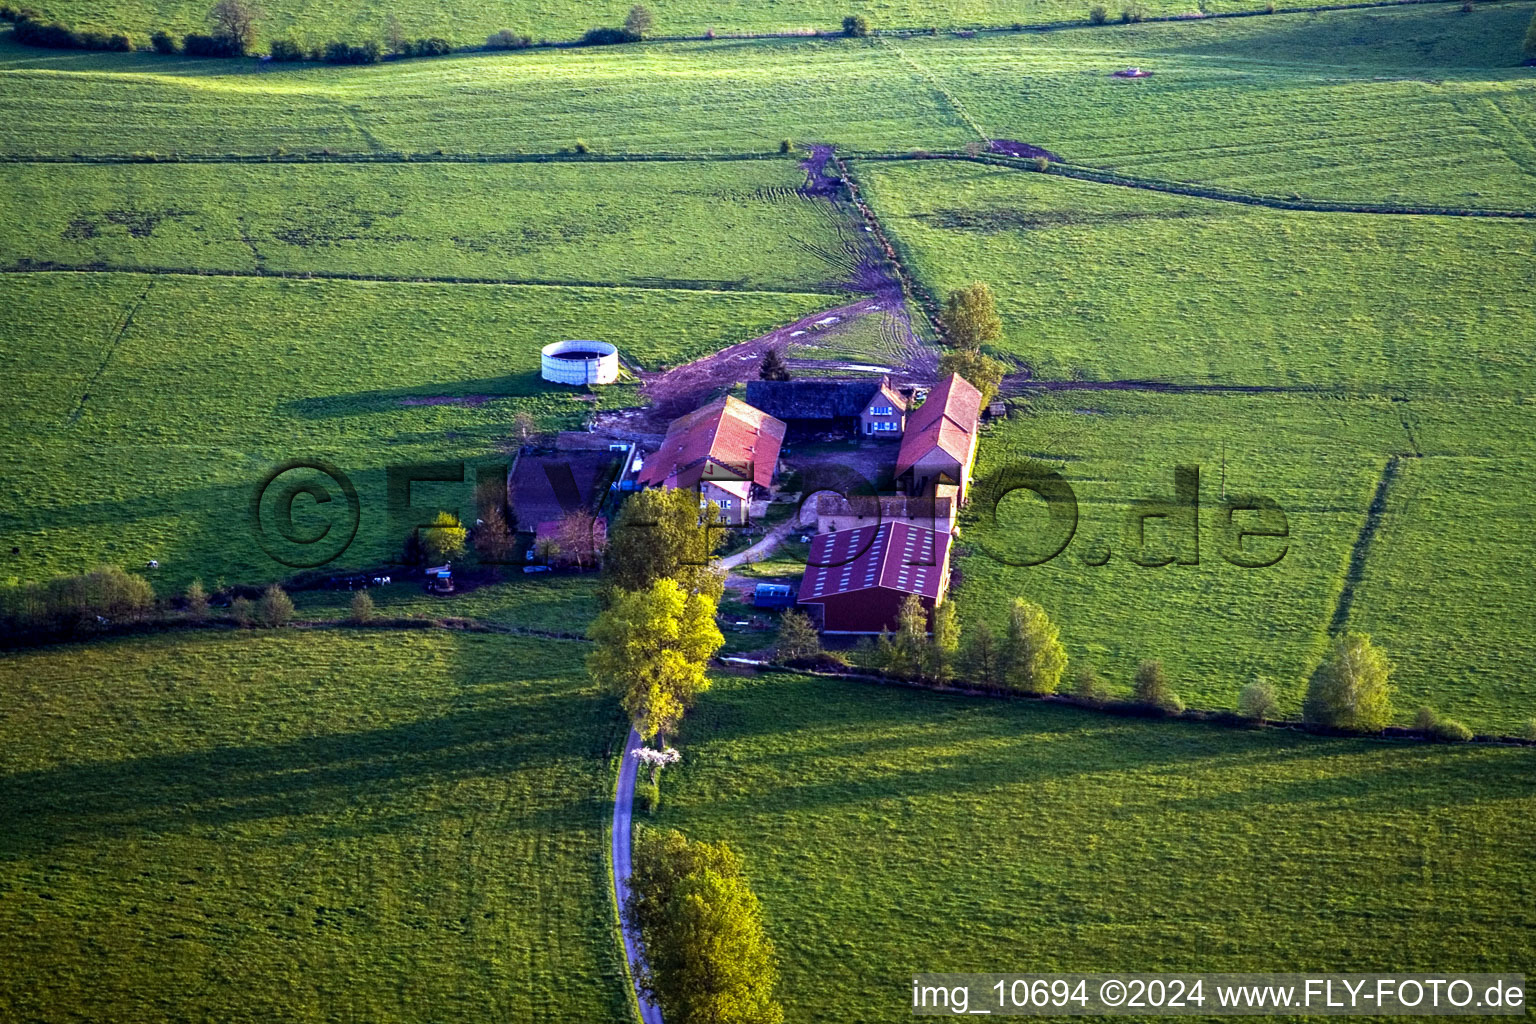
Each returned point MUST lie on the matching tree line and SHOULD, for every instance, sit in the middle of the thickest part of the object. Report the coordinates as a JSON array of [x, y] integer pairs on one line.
[[1349, 691]]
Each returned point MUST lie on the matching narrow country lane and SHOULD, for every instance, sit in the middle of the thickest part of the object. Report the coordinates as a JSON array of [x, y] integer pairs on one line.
[[623, 805]]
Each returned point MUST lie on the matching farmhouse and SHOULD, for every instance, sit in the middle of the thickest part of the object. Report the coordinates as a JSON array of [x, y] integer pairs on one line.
[[939, 446], [728, 451], [934, 511], [859, 578], [865, 407]]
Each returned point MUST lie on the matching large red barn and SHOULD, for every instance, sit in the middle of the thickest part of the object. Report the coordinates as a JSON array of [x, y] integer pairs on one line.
[[861, 577]]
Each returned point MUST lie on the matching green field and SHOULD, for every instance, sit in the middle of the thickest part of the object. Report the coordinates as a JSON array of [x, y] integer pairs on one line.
[[1100, 282], [739, 225], [1418, 104], [249, 827], [891, 832], [468, 24]]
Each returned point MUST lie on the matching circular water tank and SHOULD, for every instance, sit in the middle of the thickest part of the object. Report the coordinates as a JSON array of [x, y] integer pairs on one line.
[[580, 362]]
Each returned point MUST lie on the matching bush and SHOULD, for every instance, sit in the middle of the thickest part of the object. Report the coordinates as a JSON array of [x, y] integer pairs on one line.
[[506, 39], [1098, 14], [1257, 701], [7, 12], [648, 795], [362, 607], [31, 32], [197, 601], [855, 26], [1087, 686], [1152, 689], [195, 44], [275, 607], [1449, 730], [797, 638], [608, 37], [1133, 13], [1425, 720], [433, 46], [69, 605], [287, 50], [582, 147], [240, 610], [163, 42], [1350, 689], [786, 146], [1528, 730], [338, 52]]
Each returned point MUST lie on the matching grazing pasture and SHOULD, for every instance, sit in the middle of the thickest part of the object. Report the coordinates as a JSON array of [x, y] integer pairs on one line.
[[737, 225], [1101, 282], [890, 832], [467, 23], [259, 826], [1416, 104]]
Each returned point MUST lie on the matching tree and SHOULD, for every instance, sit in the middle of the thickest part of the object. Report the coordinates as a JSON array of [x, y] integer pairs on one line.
[[1152, 689], [1350, 690], [1087, 686], [275, 607], [970, 316], [578, 538], [639, 22], [797, 639], [362, 608], [983, 658], [944, 647], [444, 539], [394, 35], [240, 610], [1257, 700], [1098, 14], [773, 366], [197, 601], [234, 21], [494, 539], [524, 427], [855, 26], [1033, 658], [909, 646], [708, 958], [977, 367], [1530, 39], [664, 534], [652, 648]]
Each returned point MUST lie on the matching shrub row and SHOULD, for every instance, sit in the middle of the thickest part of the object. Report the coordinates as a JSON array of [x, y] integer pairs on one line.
[[71, 605], [33, 32]]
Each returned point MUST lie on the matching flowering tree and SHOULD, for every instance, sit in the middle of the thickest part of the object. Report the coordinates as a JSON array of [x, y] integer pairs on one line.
[[657, 759]]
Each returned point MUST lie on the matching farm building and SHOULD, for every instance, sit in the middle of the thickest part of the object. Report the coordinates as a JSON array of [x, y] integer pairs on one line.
[[547, 487], [939, 446], [866, 407], [859, 578], [934, 511], [728, 451]]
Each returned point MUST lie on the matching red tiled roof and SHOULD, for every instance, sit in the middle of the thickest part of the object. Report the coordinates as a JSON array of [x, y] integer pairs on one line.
[[946, 421], [729, 433], [893, 556]]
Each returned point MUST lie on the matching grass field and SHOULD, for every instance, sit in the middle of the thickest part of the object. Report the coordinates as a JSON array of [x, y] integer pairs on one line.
[[249, 827], [1099, 282], [467, 23], [891, 832], [739, 225], [1418, 104], [125, 445]]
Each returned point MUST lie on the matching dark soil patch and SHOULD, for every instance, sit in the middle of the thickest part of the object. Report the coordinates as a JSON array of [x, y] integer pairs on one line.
[[1012, 147], [141, 223], [79, 230]]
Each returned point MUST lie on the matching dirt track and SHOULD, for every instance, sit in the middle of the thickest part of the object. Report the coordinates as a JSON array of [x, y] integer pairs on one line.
[[670, 393]]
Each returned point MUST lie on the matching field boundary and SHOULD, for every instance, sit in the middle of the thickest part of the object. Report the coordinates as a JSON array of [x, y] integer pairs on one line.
[[394, 156], [681, 285], [1126, 708], [1196, 191]]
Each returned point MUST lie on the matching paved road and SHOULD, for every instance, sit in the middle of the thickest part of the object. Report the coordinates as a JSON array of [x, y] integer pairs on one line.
[[622, 833]]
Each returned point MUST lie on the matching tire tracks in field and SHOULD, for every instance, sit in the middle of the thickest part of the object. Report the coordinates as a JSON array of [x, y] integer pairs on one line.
[[114, 342]]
